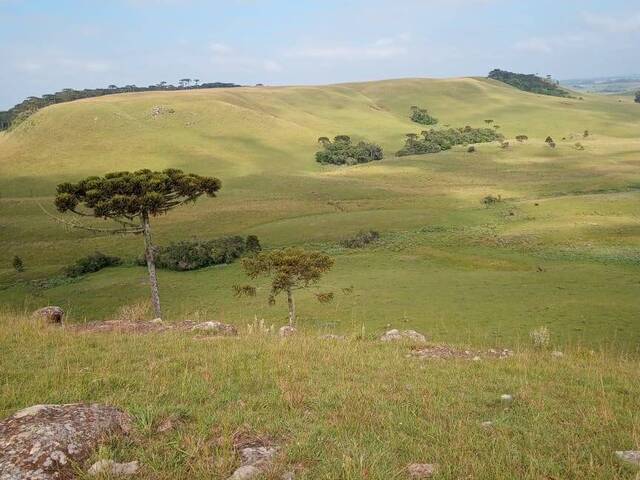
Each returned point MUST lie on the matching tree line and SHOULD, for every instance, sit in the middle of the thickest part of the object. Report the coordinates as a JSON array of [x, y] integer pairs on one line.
[[16, 115], [530, 83]]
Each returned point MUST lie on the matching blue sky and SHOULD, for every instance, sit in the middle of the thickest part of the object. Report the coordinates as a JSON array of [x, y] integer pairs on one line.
[[49, 45]]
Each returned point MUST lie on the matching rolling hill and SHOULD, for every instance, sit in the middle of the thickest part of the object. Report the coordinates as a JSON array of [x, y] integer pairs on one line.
[[559, 250]]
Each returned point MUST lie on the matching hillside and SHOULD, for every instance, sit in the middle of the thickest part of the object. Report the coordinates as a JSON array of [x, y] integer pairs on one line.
[[561, 249]]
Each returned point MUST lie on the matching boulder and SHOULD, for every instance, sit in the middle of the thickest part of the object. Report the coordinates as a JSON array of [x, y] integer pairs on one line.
[[287, 331], [246, 472], [109, 467], [218, 328], [50, 314], [257, 456], [395, 334], [43, 442], [422, 470]]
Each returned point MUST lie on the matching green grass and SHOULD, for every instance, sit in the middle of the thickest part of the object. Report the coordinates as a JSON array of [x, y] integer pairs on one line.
[[446, 265], [353, 409]]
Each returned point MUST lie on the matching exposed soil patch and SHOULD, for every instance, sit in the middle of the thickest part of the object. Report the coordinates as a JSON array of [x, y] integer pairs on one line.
[[447, 352]]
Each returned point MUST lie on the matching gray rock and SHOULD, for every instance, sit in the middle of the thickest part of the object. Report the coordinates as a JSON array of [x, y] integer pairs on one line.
[[257, 456], [287, 331], [288, 476], [395, 334], [110, 467], [246, 472], [422, 470], [487, 424], [216, 327], [557, 354], [43, 441], [50, 314], [629, 456], [506, 398]]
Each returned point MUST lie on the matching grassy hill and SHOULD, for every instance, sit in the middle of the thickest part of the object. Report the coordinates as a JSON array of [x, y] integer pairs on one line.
[[560, 250]]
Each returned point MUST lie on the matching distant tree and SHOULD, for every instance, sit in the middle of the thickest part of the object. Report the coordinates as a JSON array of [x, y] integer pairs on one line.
[[196, 81], [488, 121], [422, 116], [585, 134], [637, 99], [522, 138], [18, 264], [471, 149], [162, 84], [548, 140], [289, 269], [130, 199], [530, 83], [112, 87], [324, 141], [497, 127]]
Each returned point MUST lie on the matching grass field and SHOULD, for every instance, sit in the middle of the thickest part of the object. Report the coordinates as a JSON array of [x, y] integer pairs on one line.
[[350, 409], [561, 249]]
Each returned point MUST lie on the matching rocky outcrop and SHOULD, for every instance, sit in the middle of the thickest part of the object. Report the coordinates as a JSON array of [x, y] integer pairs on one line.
[[50, 314], [218, 328], [44, 442], [395, 334]]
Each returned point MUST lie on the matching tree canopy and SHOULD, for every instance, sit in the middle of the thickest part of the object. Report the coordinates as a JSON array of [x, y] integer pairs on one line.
[[434, 141], [422, 116], [342, 151], [637, 99]]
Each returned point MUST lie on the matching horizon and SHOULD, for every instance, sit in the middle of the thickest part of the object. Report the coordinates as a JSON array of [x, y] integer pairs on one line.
[[143, 42]]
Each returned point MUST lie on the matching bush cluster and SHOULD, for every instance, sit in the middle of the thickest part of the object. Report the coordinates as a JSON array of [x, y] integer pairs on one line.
[[342, 151], [361, 239], [530, 83], [421, 115], [194, 254], [91, 263], [434, 141]]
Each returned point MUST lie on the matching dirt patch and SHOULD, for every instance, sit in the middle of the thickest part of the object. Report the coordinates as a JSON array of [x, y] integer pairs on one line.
[[448, 352]]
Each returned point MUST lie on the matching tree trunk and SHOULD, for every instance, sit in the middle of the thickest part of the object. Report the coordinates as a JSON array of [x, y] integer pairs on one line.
[[292, 307], [151, 265]]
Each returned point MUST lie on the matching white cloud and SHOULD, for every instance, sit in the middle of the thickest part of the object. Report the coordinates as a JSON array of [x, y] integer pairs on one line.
[[611, 24], [385, 47]]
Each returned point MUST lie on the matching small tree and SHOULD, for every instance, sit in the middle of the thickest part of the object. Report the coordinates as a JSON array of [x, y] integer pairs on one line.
[[548, 140], [522, 138], [637, 99], [289, 269], [18, 264], [488, 121], [130, 199]]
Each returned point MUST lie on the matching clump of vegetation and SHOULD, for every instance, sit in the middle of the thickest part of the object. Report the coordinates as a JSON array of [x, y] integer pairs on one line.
[[471, 149], [585, 134], [530, 83], [637, 99], [136, 312], [421, 115], [434, 141], [289, 269], [504, 145], [522, 138], [194, 254], [361, 239], [18, 264], [491, 200], [540, 337], [550, 142], [342, 151], [579, 146], [488, 121], [91, 263]]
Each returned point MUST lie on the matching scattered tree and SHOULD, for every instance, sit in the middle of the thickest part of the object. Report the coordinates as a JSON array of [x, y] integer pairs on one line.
[[585, 134], [18, 264], [491, 200], [130, 199], [290, 269], [488, 121], [548, 140], [522, 138], [637, 99], [471, 149], [434, 141]]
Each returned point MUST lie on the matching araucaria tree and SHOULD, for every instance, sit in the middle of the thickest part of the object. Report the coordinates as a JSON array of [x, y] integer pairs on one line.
[[290, 269], [131, 199]]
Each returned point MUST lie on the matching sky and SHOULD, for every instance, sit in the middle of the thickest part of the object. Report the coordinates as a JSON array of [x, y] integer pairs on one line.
[[47, 45]]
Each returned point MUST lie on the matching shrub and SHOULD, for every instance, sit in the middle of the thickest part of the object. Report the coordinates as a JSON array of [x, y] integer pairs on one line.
[[421, 115], [342, 151], [504, 145], [325, 297], [91, 263], [361, 239], [548, 140], [18, 264], [434, 141], [194, 254], [491, 200], [471, 149], [522, 138], [540, 337], [579, 146]]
